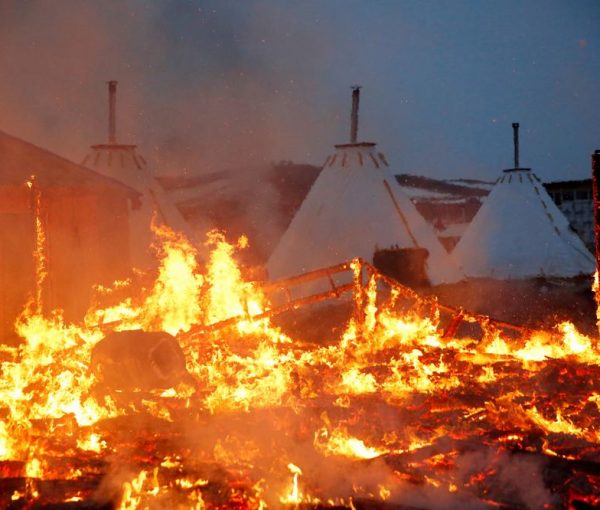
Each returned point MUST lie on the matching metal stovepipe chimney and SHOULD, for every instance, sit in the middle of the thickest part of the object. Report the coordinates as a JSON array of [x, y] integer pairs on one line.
[[112, 112], [516, 142], [354, 115]]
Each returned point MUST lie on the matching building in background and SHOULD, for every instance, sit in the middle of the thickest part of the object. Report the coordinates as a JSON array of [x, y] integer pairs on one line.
[[83, 218], [574, 199]]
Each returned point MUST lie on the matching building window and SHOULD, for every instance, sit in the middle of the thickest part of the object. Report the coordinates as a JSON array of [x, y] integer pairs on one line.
[[582, 195], [567, 195]]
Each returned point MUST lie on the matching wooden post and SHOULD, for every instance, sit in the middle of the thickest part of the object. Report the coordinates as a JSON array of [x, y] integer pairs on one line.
[[358, 293], [596, 198]]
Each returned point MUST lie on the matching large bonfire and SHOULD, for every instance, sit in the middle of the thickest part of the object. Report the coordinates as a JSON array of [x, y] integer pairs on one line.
[[400, 405]]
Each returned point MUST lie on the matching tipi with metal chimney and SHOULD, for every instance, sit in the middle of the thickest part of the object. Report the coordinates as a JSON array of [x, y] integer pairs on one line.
[[520, 233], [123, 163], [356, 208]]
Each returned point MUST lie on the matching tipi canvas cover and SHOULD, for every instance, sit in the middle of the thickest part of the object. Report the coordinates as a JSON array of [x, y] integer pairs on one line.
[[123, 163], [520, 233], [354, 208]]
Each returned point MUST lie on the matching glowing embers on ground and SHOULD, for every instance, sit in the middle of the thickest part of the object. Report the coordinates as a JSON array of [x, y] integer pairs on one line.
[[395, 409]]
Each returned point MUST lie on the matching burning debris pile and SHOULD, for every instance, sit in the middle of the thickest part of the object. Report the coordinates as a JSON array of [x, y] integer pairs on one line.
[[186, 394]]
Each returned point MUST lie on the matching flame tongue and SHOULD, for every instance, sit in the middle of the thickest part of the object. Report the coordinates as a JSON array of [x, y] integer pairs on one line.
[[391, 404]]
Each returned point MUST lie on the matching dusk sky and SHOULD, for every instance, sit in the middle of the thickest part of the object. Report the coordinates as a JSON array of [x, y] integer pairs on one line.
[[210, 85]]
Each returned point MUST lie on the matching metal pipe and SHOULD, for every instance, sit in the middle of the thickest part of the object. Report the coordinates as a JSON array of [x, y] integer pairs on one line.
[[516, 142], [112, 111], [354, 116]]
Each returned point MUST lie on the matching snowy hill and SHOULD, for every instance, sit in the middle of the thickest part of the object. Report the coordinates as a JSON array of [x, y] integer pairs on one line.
[[259, 202]]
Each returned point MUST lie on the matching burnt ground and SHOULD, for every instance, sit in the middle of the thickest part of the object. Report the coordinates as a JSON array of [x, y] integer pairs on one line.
[[532, 303], [316, 324], [492, 455], [536, 304]]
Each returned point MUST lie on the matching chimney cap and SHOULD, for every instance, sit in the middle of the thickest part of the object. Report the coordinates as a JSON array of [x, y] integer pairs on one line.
[[357, 144], [521, 169]]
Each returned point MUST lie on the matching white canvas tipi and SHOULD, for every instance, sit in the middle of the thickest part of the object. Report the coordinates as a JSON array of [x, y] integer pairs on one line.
[[123, 163], [354, 208], [519, 233]]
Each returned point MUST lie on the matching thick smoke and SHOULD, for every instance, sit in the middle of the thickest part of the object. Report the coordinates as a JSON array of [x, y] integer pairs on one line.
[[210, 82], [203, 85]]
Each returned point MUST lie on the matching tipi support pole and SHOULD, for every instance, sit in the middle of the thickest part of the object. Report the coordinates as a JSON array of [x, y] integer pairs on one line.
[[112, 112], [516, 142]]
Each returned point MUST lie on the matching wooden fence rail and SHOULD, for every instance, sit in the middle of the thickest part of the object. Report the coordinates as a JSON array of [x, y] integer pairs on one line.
[[354, 277]]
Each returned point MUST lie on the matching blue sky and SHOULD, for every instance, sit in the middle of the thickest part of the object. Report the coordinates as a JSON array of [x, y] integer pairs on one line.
[[209, 85]]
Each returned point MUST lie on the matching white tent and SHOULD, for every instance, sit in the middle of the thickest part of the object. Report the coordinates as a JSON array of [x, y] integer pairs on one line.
[[354, 208], [519, 232], [123, 163]]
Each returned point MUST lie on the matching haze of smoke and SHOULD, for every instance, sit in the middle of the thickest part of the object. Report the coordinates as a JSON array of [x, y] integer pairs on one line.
[[194, 92], [517, 478]]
